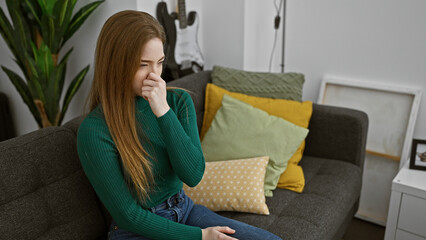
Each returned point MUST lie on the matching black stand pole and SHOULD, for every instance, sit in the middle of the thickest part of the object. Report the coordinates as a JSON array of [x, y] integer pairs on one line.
[[283, 46]]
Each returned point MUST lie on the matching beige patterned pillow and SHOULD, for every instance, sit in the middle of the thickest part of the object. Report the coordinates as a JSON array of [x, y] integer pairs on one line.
[[232, 185]]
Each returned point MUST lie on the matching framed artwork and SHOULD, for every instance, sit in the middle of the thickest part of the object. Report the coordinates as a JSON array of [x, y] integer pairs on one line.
[[392, 112], [418, 155]]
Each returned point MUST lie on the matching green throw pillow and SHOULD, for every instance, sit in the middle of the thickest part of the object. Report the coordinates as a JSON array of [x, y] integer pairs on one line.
[[240, 130], [262, 84]]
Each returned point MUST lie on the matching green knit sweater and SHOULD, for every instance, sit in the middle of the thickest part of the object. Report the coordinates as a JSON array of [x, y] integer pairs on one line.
[[171, 140]]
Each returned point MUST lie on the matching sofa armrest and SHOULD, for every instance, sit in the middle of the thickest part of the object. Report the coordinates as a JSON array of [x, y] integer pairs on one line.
[[337, 133]]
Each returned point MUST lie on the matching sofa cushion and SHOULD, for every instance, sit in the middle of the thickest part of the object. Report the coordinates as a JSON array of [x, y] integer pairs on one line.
[[232, 185], [240, 130], [295, 112], [332, 188], [44, 193], [261, 84]]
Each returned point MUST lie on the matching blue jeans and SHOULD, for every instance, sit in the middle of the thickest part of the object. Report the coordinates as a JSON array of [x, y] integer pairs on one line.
[[180, 208]]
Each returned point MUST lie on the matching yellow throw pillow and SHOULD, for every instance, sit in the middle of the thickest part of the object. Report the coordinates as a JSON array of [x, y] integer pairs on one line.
[[295, 112], [232, 185]]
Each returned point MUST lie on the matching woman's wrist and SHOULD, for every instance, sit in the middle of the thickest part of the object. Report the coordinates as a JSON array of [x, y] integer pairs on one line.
[[161, 112]]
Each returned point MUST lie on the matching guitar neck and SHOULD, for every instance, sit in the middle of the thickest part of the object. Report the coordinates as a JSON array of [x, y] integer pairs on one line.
[[183, 22]]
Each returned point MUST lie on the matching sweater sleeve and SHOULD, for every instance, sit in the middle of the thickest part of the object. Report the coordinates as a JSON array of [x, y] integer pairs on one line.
[[100, 161], [180, 134]]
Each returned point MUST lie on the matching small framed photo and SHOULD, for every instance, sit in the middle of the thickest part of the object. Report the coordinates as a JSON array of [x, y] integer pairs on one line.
[[418, 155]]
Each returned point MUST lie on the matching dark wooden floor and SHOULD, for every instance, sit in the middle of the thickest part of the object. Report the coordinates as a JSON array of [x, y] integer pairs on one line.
[[363, 230]]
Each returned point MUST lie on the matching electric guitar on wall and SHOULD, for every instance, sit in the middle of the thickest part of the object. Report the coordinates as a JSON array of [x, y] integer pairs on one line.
[[183, 55]]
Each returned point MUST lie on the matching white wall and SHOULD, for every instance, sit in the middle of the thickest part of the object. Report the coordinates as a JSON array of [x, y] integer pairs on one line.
[[372, 40], [240, 34], [259, 35], [223, 42]]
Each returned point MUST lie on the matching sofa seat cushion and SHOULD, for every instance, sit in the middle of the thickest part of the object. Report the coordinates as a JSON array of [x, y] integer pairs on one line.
[[333, 185], [44, 193]]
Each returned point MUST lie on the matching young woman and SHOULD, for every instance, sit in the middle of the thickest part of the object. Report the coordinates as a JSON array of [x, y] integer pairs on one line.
[[140, 141]]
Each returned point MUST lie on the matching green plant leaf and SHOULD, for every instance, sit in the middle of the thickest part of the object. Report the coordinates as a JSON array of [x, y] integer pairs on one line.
[[33, 10], [62, 13], [6, 31], [44, 28], [31, 63], [44, 63], [37, 83], [47, 6], [20, 22], [51, 31], [47, 60], [52, 97], [37, 89], [35, 33], [19, 34], [32, 13], [72, 89], [21, 66], [60, 74], [48, 31], [25, 93], [66, 56], [22, 32], [35, 51], [12, 5], [79, 19], [43, 6]]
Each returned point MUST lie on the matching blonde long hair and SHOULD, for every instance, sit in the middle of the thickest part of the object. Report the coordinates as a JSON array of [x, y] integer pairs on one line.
[[117, 59]]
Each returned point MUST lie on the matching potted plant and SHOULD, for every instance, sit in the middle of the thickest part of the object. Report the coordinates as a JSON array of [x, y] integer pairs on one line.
[[36, 34]]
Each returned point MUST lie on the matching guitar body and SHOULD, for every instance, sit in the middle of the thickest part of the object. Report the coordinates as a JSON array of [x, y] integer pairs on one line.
[[183, 55], [187, 52]]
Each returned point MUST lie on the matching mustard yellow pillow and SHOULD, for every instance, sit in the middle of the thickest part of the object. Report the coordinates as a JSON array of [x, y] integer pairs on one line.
[[295, 112], [232, 185]]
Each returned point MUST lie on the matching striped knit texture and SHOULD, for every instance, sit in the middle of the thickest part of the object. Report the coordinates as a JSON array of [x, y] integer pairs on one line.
[[261, 84], [173, 143]]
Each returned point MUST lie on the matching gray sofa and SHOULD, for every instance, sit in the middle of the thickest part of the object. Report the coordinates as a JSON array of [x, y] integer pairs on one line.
[[44, 193]]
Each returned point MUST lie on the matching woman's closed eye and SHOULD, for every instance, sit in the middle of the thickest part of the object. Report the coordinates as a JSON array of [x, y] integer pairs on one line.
[[146, 65]]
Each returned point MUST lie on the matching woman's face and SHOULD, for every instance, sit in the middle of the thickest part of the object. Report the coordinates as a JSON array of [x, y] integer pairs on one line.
[[152, 58]]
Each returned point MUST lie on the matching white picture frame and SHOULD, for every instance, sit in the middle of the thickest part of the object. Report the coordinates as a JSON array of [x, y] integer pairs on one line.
[[392, 112], [390, 131]]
